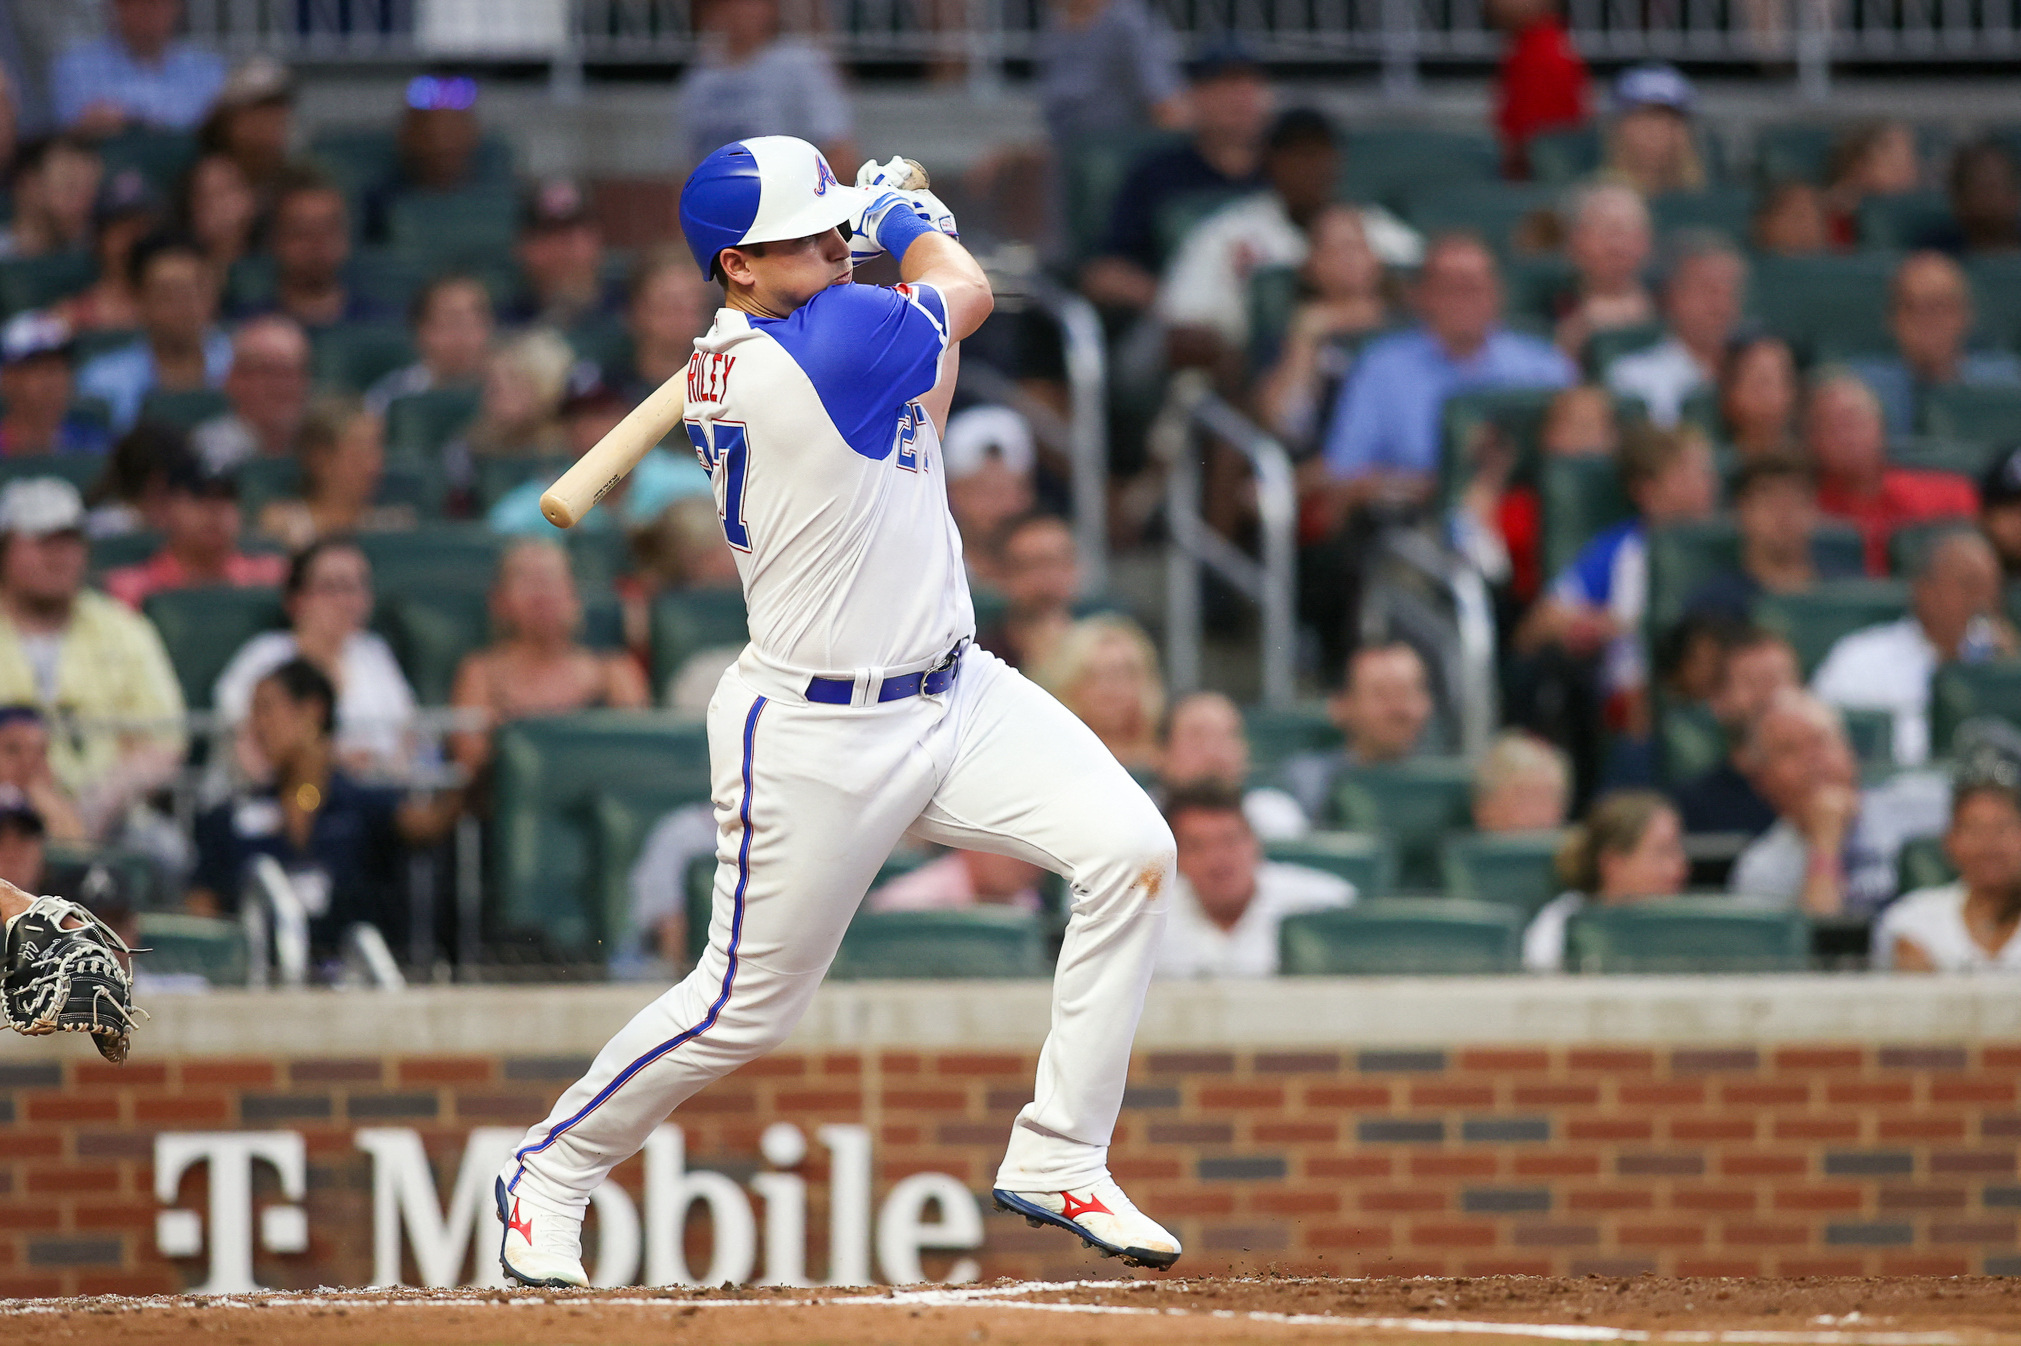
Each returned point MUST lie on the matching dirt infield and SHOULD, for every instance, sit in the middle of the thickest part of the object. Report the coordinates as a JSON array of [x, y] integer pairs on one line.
[[1877, 1311]]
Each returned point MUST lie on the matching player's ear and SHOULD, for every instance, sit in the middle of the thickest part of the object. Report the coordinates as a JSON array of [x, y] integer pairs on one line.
[[734, 266]]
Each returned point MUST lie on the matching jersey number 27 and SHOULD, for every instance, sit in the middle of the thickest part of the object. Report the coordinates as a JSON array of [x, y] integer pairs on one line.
[[733, 451]]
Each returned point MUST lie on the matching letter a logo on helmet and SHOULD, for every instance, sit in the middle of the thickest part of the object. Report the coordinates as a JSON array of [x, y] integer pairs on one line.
[[761, 190]]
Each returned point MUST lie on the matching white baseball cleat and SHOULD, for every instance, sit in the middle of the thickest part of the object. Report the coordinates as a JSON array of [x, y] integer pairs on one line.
[[1105, 1219], [540, 1251]]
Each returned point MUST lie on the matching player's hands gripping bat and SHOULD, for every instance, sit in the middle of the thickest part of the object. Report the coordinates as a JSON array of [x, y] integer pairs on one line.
[[62, 970], [901, 183]]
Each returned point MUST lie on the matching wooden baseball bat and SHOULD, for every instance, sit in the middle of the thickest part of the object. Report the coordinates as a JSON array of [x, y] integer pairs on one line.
[[591, 476]]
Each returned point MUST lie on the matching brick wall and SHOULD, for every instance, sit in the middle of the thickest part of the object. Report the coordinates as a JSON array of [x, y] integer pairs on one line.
[[1817, 1159]]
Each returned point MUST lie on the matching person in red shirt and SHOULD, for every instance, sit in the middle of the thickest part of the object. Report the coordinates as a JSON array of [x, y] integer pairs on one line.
[[1847, 440], [1543, 86], [200, 539]]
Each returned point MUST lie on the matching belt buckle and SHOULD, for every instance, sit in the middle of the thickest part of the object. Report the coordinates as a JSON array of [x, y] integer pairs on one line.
[[943, 672]]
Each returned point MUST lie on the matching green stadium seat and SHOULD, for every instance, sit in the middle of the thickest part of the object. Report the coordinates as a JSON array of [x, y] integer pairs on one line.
[[1688, 934], [79, 469], [1412, 805], [1981, 414], [430, 629], [452, 554], [620, 823], [1684, 557], [385, 277], [1562, 158], [249, 284], [542, 841], [1996, 286], [172, 944], [162, 157], [1277, 735], [1492, 209], [262, 480], [1177, 217], [1813, 621], [1724, 209], [1604, 348], [471, 226], [121, 549], [184, 409], [420, 424], [1922, 863], [351, 357], [1094, 171], [1839, 301], [1689, 742], [1872, 736], [1517, 414], [204, 627], [1938, 453], [1409, 937], [981, 942], [1958, 692], [136, 878], [686, 621], [1362, 858], [1534, 287], [1386, 164], [1911, 542], [499, 475], [1794, 150], [603, 340], [357, 158], [1515, 869], [1902, 220], [1579, 497], [32, 282]]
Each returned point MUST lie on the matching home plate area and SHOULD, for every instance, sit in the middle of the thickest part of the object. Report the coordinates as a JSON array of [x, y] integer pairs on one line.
[[1811, 1311]]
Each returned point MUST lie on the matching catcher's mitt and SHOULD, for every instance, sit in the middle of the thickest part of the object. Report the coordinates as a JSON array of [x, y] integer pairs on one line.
[[61, 970]]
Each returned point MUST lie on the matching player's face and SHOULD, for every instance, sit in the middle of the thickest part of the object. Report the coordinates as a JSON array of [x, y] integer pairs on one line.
[[779, 277]]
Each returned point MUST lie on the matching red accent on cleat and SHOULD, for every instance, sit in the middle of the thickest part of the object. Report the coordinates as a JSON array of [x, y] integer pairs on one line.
[[525, 1227], [1074, 1207]]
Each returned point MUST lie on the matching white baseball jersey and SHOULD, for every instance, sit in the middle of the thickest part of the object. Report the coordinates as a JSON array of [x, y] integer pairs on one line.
[[827, 474]]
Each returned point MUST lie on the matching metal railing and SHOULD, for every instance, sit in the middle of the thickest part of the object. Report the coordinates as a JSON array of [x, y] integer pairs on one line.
[[1427, 595], [1191, 409]]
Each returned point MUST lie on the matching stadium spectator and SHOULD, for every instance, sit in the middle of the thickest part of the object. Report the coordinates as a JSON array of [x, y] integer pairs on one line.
[[1630, 848], [1227, 900], [438, 136], [1954, 614], [23, 834], [1847, 439], [1521, 784], [1985, 190], [1608, 241], [201, 523], [1650, 143], [1383, 443], [1205, 290], [309, 238], [1791, 221], [1968, 925], [561, 255], [1759, 397], [327, 596], [1499, 522], [1543, 84], [35, 385], [525, 381], [25, 769], [751, 79], [342, 448], [1701, 308], [1775, 504], [218, 209], [1204, 740], [69, 650], [1040, 577], [138, 73], [55, 185], [341, 842], [178, 348], [268, 386], [452, 324], [1107, 68], [960, 881], [126, 212], [1929, 316], [988, 456], [1383, 707], [1833, 846], [1999, 509], [1873, 158], [1755, 667], [666, 307], [538, 665], [1105, 670], [129, 495], [1595, 607], [252, 121], [1342, 299], [1224, 155]]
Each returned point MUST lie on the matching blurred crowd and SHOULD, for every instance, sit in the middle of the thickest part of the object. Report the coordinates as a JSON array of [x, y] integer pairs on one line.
[[278, 409]]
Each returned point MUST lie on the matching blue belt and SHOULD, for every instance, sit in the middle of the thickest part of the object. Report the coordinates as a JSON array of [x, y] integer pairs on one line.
[[928, 682]]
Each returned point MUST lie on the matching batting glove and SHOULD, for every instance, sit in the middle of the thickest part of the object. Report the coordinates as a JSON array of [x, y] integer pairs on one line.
[[882, 181]]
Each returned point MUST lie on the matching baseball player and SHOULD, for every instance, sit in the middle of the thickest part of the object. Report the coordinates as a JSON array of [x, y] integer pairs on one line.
[[860, 712]]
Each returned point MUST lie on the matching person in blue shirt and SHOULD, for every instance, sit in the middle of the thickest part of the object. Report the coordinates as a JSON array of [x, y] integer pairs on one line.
[[35, 385], [178, 348], [136, 74], [1930, 317]]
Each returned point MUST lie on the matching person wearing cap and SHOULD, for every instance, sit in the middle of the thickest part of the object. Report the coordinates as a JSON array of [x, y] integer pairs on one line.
[[35, 384], [253, 122], [590, 408], [2000, 511], [139, 72], [1223, 156], [24, 767], [561, 254], [751, 79], [200, 540], [128, 210], [1650, 143], [82, 658], [1929, 318], [178, 348], [1206, 286], [268, 387], [1543, 84], [989, 455], [54, 186]]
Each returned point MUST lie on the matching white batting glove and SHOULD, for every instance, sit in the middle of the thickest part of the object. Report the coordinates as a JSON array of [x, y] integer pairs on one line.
[[882, 180]]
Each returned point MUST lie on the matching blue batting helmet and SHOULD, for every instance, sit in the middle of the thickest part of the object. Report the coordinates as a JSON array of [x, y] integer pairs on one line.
[[761, 190]]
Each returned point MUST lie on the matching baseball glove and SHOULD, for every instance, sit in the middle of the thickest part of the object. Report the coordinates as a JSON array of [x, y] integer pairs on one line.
[[64, 970]]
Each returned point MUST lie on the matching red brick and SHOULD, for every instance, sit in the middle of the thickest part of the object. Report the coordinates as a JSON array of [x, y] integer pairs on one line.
[[23, 1217], [1452, 1165], [898, 1135], [1258, 1096], [1718, 1266], [1196, 1203], [1504, 1059], [238, 1074], [1972, 1231], [1452, 1096], [1144, 1168], [738, 1102], [1921, 1198], [1818, 1266], [95, 1178], [1614, 1062], [841, 1063], [1556, 1095], [777, 1066], [1453, 1234], [1713, 1198], [1871, 1091], [1348, 1236], [1297, 1203], [2004, 1057], [1711, 1128], [30, 1287], [900, 1063], [135, 1075], [446, 1070], [1922, 1128], [33, 1145], [1682, 1094], [1409, 1198], [1610, 1198], [1763, 1165], [1764, 1095], [112, 1214], [1971, 1091], [1819, 1058], [1555, 1165], [129, 1283], [1764, 1235], [1924, 1264], [1608, 1128], [1994, 1162], [1348, 1166], [1295, 1133], [820, 1100], [1817, 1198], [1817, 1128], [63, 1108], [979, 1063], [1660, 1236], [187, 1110], [1357, 1096]]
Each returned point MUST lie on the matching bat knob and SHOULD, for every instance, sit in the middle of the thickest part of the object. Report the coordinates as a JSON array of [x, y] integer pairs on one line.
[[556, 512]]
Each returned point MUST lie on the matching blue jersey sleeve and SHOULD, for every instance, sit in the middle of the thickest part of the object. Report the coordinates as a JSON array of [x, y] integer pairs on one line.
[[868, 350]]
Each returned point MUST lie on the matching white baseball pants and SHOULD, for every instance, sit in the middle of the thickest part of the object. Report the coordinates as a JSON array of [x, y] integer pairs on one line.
[[810, 800]]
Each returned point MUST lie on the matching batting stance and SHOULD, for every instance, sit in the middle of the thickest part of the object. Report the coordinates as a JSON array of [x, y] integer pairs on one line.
[[860, 712]]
